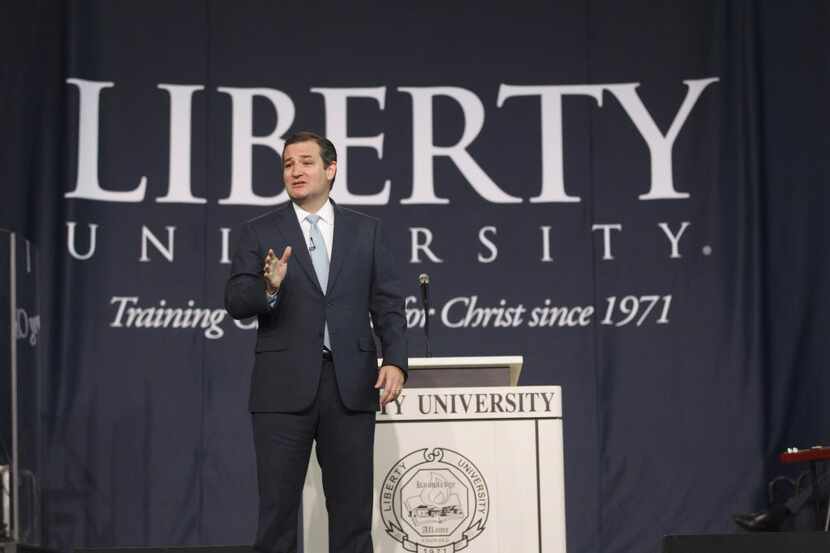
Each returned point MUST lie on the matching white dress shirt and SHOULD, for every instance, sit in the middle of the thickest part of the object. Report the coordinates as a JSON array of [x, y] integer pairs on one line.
[[325, 224]]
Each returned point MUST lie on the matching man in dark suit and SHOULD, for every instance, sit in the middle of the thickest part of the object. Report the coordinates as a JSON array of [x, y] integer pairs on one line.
[[315, 372]]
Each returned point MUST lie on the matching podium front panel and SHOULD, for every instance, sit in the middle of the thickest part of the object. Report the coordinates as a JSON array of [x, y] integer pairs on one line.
[[479, 469]]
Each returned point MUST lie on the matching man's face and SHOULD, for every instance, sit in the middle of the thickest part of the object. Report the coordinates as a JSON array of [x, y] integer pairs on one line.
[[305, 177]]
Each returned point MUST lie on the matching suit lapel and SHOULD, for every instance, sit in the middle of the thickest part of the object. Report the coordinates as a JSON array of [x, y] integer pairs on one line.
[[289, 226], [342, 243]]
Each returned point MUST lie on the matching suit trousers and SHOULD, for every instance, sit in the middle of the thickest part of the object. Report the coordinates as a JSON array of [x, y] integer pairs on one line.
[[345, 443]]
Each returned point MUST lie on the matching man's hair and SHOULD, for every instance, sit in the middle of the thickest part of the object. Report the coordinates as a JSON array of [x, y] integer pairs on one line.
[[327, 150]]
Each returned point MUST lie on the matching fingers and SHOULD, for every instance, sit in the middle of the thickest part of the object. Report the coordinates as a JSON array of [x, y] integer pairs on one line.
[[391, 380], [271, 259], [386, 397], [389, 393]]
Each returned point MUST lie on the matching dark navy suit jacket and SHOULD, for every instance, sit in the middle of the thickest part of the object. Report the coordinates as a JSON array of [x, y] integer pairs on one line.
[[363, 282]]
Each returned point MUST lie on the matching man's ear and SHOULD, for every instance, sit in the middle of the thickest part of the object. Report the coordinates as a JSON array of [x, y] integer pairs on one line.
[[331, 170]]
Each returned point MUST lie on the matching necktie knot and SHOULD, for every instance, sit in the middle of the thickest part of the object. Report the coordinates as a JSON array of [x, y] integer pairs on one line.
[[313, 218]]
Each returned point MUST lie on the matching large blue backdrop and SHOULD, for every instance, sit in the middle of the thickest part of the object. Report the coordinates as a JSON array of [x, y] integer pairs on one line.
[[630, 195]]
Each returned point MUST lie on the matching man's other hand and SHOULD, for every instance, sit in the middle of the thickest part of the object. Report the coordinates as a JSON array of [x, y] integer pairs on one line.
[[390, 379]]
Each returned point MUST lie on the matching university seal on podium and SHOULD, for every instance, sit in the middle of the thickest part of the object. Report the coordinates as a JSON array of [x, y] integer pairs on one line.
[[434, 501]]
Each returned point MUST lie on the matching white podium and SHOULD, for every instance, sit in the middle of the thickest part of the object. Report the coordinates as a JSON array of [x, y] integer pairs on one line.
[[475, 468]]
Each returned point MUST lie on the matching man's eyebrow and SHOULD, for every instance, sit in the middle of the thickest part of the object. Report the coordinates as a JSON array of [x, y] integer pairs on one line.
[[302, 156]]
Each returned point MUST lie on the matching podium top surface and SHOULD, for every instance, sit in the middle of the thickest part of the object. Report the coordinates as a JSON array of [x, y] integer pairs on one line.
[[511, 363], [471, 362]]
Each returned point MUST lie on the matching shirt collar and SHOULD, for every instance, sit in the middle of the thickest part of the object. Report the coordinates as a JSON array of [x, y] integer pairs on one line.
[[326, 212]]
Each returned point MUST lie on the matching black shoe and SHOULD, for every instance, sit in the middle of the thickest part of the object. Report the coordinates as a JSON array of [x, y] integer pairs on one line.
[[762, 521]]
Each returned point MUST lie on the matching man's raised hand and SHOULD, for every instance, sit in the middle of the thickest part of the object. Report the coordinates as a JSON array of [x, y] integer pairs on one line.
[[275, 268]]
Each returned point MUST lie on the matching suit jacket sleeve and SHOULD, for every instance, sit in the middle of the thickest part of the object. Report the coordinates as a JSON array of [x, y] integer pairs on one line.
[[245, 290], [387, 304]]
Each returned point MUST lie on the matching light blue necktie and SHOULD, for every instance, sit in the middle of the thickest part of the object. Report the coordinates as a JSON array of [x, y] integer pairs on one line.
[[320, 260]]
